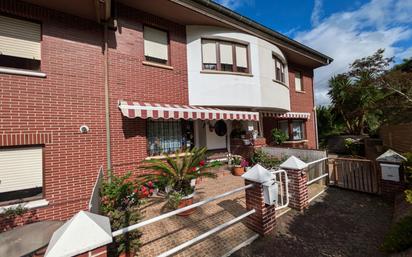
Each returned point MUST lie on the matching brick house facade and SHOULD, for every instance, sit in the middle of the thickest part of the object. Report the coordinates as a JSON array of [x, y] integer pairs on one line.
[[48, 111]]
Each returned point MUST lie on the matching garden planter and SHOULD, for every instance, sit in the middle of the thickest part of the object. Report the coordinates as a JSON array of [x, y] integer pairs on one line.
[[186, 201], [238, 170]]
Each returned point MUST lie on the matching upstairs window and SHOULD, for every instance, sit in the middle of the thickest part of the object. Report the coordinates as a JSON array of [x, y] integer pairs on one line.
[[156, 45], [224, 56], [279, 70], [294, 129], [298, 81], [20, 44]]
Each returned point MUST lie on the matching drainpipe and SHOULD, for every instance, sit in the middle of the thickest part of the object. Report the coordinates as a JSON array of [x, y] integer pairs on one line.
[[107, 100], [316, 126]]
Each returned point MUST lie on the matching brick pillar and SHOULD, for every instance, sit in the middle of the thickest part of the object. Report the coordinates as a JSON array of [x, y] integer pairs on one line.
[[298, 189], [390, 171], [264, 219], [98, 252]]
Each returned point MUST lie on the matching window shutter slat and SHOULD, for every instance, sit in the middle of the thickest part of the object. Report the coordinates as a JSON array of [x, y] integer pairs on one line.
[[241, 56], [226, 53], [209, 51], [20, 38], [21, 168], [155, 43]]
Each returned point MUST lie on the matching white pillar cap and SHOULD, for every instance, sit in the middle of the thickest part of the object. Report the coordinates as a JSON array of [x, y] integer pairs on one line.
[[258, 174], [293, 163]]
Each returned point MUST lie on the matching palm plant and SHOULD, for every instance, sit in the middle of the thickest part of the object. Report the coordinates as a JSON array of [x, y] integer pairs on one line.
[[178, 170]]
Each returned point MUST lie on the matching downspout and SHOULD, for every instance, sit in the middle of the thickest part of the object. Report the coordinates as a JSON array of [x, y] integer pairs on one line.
[[107, 100], [316, 127]]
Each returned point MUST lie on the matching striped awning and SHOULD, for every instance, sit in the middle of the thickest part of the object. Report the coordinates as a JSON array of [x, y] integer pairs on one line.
[[287, 115], [173, 111]]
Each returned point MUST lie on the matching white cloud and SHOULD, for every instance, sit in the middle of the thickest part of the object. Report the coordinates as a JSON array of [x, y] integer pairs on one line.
[[234, 4], [316, 13], [346, 36]]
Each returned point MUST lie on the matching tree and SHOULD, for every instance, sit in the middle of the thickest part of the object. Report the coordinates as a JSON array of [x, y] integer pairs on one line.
[[355, 94]]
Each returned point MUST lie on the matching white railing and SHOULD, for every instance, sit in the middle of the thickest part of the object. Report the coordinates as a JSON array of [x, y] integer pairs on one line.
[[323, 170], [196, 239], [281, 177]]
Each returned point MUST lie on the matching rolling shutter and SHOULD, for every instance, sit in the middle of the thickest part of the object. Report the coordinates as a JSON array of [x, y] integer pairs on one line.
[[226, 53], [20, 38], [21, 168], [209, 51], [155, 43], [241, 56]]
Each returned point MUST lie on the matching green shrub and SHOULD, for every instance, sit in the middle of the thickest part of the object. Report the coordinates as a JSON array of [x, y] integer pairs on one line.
[[399, 237], [264, 159], [120, 202], [279, 136], [408, 172]]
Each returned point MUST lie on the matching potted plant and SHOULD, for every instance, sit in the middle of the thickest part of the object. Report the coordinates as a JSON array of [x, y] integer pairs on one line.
[[177, 173], [239, 165], [120, 201], [279, 136]]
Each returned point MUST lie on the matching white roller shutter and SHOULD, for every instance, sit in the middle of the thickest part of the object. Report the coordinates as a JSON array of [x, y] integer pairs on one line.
[[20, 38], [209, 51], [241, 56], [226, 53], [21, 168], [155, 43]]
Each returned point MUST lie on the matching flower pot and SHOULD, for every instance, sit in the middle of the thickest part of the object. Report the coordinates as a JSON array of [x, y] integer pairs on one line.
[[186, 201], [238, 170]]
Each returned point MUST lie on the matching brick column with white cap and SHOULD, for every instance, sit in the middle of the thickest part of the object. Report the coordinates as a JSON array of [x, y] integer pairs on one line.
[[264, 219], [298, 189]]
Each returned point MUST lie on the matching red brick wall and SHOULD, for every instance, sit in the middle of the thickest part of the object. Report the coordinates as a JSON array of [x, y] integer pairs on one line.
[[131, 80], [70, 95], [303, 101]]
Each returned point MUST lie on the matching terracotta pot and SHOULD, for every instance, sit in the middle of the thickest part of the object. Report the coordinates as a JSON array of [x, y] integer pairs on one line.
[[128, 254], [186, 201], [238, 170]]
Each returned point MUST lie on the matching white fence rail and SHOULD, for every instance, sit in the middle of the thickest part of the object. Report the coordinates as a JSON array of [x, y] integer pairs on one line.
[[281, 177], [317, 170]]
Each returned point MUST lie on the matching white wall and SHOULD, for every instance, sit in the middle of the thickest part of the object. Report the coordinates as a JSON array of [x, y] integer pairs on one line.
[[258, 90]]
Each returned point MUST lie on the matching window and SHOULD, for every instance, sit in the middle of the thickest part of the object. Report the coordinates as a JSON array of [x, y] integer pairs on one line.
[[279, 70], [21, 174], [224, 56], [298, 81], [295, 129], [19, 43], [167, 136], [156, 45]]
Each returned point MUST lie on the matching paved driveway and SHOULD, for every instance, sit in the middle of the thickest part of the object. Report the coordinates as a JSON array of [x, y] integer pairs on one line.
[[339, 223]]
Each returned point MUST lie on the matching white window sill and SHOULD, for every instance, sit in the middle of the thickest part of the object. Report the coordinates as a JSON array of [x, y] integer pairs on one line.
[[280, 82], [28, 205], [22, 72], [158, 65], [300, 91]]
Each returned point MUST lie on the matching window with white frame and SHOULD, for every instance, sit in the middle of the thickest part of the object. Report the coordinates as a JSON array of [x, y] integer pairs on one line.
[[298, 81], [225, 56], [21, 174], [156, 45], [20, 43], [279, 70]]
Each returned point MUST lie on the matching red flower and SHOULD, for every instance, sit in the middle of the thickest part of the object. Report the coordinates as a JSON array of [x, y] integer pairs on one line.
[[194, 169], [202, 163], [144, 189], [151, 191], [150, 184]]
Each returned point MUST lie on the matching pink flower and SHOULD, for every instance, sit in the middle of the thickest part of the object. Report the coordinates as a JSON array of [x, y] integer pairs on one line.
[[150, 184], [144, 189], [151, 191], [194, 169]]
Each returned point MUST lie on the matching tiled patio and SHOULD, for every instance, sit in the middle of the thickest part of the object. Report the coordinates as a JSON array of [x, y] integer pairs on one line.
[[168, 233]]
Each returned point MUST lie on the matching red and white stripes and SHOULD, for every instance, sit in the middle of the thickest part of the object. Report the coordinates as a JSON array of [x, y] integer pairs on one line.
[[173, 111], [287, 115]]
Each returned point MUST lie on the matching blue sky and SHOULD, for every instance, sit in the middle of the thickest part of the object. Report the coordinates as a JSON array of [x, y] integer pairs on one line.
[[344, 30]]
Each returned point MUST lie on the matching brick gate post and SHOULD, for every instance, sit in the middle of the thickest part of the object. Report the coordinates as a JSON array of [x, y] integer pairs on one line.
[[264, 219], [298, 178]]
